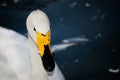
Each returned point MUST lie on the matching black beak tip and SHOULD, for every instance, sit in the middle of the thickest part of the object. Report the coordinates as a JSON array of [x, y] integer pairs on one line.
[[50, 68], [48, 60]]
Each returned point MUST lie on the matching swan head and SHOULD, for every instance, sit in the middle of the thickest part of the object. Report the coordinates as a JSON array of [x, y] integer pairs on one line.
[[38, 27]]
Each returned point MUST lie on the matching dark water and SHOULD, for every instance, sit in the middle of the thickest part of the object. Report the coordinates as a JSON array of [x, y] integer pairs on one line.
[[98, 20]]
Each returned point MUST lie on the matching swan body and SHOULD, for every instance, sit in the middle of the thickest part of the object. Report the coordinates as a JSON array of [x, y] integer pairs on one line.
[[25, 59]]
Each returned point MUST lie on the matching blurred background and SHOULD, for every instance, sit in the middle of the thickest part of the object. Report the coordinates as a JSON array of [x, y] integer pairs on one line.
[[97, 20]]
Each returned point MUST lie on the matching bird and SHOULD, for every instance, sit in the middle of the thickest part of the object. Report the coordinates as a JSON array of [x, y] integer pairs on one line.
[[28, 58]]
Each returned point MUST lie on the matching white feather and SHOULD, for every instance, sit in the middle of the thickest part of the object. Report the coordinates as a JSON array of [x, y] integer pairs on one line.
[[19, 58]]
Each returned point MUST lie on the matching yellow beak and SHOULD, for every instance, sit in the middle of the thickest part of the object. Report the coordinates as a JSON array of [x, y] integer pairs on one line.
[[43, 43], [43, 40]]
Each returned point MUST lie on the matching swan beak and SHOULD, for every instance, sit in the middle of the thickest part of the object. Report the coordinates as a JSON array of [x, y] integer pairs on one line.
[[43, 43]]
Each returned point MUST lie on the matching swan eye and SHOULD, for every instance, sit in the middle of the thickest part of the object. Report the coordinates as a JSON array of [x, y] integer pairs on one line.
[[34, 29]]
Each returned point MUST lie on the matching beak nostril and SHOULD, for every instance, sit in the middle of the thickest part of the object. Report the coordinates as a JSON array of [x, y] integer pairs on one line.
[[43, 35]]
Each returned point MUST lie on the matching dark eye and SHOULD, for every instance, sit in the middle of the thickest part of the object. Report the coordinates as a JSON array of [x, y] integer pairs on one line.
[[34, 29]]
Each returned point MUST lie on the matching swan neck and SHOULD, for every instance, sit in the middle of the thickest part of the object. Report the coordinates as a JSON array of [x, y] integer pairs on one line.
[[38, 71]]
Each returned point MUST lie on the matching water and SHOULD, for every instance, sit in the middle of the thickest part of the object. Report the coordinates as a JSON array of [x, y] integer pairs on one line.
[[97, 20]]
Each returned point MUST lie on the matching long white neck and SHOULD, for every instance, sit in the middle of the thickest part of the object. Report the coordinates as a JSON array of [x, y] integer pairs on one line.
[[38, 71]]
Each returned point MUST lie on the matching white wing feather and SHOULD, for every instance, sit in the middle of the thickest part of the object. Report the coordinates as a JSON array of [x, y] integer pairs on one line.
[[15, 61]]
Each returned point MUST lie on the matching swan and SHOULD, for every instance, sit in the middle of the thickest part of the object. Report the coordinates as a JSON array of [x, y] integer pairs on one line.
[[29, 58]]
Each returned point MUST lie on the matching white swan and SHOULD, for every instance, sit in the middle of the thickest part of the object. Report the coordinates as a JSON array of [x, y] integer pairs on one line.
[[28, 59]]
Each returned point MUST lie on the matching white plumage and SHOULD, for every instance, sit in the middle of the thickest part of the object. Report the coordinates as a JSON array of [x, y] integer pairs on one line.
[[19, 58]]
